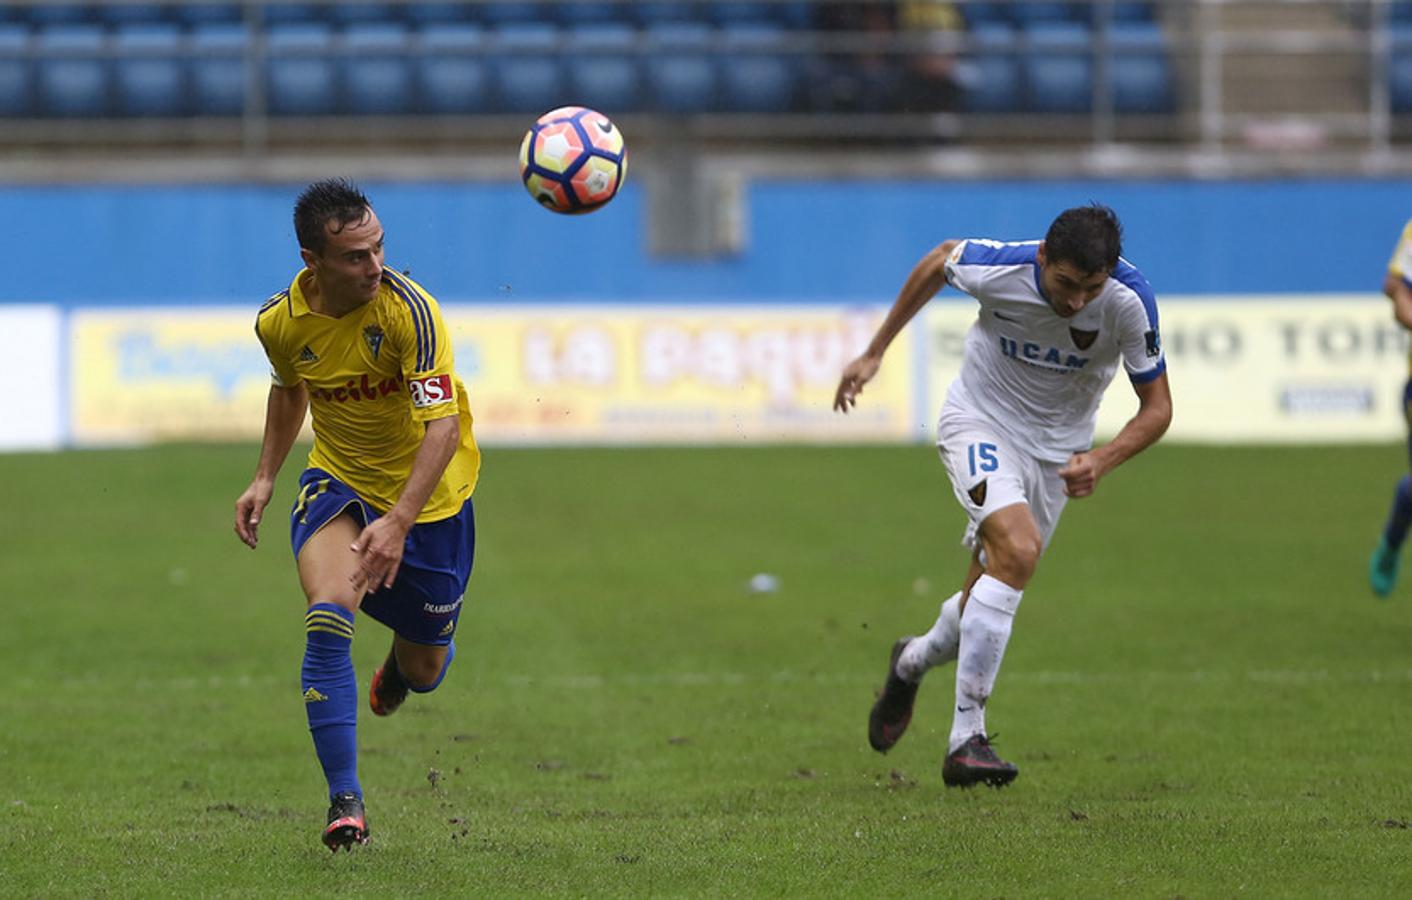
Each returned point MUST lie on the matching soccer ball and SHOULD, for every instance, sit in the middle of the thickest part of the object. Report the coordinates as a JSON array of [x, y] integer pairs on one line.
[[573, 160]]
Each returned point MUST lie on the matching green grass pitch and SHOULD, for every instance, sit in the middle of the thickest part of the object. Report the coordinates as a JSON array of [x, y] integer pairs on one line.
[[1202, 695]]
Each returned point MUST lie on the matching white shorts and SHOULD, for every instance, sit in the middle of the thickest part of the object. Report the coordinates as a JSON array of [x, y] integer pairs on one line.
[[988, 473]]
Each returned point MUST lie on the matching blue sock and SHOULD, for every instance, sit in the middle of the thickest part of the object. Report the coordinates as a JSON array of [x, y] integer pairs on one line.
[[331, 694], [446, 664], [1395, 531]]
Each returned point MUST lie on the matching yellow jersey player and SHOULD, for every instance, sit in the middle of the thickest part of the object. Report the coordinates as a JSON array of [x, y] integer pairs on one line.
[[383, 521], [1387, 558]]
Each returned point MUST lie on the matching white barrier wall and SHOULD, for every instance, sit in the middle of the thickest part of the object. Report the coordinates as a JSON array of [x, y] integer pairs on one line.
[[1273, 369], [1313, 369], [33, 405]]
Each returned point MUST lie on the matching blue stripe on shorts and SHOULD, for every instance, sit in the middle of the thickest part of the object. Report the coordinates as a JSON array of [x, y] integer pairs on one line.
[[424, 603]]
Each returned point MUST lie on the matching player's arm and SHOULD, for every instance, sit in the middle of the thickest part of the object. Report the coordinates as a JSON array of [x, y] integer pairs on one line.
[[380, 546], [1400, 293], [928, 277], [1154, 414], [284, 416]]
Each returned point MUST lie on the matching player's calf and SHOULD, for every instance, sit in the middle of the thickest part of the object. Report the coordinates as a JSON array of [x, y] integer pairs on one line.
[[388, 689]]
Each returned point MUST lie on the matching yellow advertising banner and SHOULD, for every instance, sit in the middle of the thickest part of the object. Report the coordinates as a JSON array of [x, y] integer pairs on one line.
[[713, 374], [139, 375], [535, 374], [1303, 369]]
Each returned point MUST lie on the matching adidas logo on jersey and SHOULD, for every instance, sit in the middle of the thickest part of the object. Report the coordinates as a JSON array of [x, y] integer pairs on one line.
[[307, 355]]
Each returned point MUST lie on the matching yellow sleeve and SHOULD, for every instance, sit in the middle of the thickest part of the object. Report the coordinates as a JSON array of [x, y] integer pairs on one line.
[[424, 351], [1401, 263], [282, 371]]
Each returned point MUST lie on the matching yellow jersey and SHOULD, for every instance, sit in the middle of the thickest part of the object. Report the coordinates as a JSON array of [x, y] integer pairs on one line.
[[1401, 263], [375, 377]]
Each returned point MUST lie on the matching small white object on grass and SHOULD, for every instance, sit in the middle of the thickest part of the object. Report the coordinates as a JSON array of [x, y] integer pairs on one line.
[[764, 583]]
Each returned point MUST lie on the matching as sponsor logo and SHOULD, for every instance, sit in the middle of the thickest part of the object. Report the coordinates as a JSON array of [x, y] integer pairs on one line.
[[430, 391]]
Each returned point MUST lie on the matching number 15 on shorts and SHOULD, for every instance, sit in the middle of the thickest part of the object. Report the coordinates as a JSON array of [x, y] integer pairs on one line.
[[981, 458]]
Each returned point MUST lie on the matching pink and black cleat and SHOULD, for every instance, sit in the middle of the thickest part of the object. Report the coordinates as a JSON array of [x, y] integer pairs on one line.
[[347, 823]]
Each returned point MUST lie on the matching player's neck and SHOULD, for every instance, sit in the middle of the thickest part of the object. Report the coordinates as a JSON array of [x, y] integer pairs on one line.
[[326, 304]]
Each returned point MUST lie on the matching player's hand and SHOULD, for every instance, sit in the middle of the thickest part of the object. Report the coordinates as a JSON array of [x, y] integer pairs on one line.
[[1081, 474], [855, 375], [248, 510], [379, 548]]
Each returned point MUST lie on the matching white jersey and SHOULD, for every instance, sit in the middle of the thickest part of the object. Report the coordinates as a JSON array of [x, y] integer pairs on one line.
[[1037, 375]]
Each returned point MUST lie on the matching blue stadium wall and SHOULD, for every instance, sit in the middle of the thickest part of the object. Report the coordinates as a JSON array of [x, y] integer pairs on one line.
[[807, 241]]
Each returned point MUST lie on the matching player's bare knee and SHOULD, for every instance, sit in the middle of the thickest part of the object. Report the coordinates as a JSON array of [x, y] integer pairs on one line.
[[346, 599], [1013, 558]]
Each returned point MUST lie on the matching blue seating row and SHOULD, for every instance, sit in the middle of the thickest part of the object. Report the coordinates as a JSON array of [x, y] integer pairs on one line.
[[791, 13], [1049, 68], [306, 69], [1035, 12], [388, 69], [1399, 72]]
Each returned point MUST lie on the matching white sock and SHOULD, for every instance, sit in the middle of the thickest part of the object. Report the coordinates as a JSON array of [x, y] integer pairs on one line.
[[985, 629], [937, 646]]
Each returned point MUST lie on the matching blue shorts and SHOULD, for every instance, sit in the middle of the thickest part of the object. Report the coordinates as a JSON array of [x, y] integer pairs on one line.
[[424, 603]]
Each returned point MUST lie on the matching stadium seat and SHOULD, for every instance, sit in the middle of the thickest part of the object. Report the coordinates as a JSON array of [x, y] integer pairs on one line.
[[517, 12], [364, 13], [218, 74], [528, 70], [377, 70], [300, 79], [43, 14], [1125, 11], [149, 70], [1058, 68], [979, 12], [293, 13], [796, 14], [1399, 72], [990, 71], [605, 71], [133, 13], [680, 68], [436, 13], [16, 73], [451, 71], [653, 12], [730, 12], [758, 74], [1139, 69], [1034, 12], [592, 13], [72, 73], [195, 14]]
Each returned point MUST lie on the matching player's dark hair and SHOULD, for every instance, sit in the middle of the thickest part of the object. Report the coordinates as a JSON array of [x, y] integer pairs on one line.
[[1089, 238], [336, 200]]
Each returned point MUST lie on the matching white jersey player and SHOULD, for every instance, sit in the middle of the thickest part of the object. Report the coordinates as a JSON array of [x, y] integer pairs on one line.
[[1387, 556], [1057, 317]]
